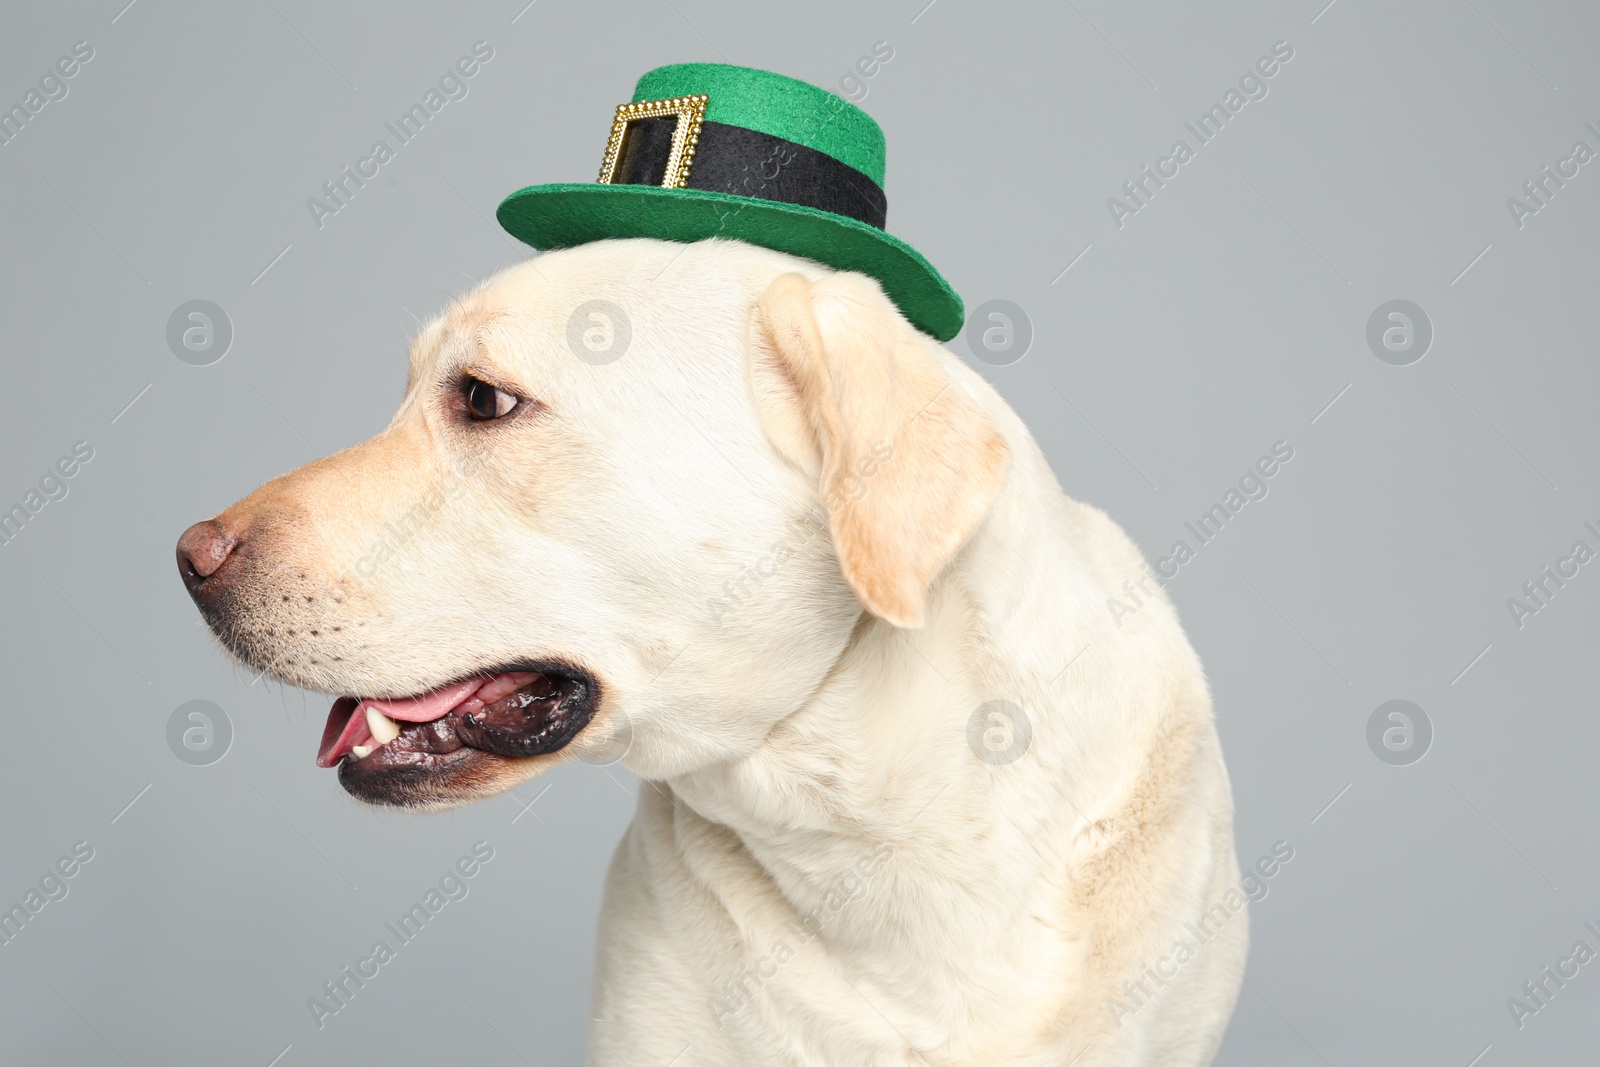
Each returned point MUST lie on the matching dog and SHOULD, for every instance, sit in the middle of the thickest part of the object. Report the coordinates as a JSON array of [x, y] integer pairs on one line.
[[910, 793]]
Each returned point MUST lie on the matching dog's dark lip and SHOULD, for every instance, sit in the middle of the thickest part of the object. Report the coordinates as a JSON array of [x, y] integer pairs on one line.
[[450, 758], [431, 781]]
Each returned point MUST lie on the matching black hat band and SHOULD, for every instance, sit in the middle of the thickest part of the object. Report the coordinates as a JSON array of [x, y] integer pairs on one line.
[[743, 162]]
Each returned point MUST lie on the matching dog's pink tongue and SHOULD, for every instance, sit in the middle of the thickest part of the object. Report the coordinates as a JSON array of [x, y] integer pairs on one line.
[[428, 706]]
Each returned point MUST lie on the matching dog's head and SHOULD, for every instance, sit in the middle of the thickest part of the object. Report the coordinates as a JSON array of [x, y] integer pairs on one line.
[[638, 496]]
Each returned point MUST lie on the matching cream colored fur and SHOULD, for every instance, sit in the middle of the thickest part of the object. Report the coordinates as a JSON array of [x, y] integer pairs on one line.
[[821, 870]]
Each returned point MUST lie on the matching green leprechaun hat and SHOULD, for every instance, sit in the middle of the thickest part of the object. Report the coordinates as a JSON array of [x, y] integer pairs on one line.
[[711, 150]]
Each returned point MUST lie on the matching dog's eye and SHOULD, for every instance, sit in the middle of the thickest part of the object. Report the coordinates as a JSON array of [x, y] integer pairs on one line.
[[485, 402]]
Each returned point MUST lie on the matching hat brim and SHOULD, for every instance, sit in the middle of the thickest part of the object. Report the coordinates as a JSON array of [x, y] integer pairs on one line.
[[549, 217]]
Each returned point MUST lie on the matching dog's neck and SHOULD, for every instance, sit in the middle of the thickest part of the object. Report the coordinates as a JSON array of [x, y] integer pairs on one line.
[[878, 814]]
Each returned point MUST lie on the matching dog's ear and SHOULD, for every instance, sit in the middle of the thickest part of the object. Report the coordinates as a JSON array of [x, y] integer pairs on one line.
[[906, 463]]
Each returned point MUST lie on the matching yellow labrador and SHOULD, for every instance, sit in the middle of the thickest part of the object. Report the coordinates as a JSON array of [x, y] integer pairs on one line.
[[912, 794]]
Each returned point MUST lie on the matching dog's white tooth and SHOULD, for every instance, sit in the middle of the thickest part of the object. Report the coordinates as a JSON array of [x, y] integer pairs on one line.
[[362, 751], [384, 729]]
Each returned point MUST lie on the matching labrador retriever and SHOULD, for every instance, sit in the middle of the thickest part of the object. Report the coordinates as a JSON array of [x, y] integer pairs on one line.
[[910, 793]]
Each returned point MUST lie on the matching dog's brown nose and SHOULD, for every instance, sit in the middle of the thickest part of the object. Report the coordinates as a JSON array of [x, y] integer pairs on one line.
[[202, 551]]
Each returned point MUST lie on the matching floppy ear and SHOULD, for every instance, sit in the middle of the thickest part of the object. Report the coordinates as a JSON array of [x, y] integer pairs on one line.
[[907, 464]]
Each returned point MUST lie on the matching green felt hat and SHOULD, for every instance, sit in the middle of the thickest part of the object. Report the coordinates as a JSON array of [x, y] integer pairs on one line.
[[711, 150]]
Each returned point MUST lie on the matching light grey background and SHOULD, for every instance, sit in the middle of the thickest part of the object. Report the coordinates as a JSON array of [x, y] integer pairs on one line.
[[1227, 315]]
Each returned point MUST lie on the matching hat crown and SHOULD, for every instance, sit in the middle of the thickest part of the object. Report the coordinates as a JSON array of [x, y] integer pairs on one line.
[[713, 150], [775, 105]]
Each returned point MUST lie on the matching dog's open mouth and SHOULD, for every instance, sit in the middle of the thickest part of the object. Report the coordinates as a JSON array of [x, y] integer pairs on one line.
[[395, 750]]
